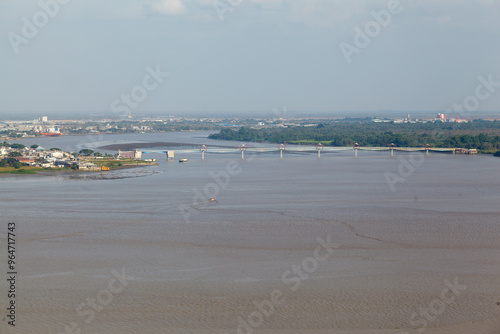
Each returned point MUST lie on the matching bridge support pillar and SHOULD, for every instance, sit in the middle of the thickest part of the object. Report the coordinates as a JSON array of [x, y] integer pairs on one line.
[[392, 152], [319, 153], [356, 152], [281, 154], [242, 155], [202, 155], [427, 152]]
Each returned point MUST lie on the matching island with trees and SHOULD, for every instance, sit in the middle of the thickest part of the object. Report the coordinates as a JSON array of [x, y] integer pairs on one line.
[[481, 135]]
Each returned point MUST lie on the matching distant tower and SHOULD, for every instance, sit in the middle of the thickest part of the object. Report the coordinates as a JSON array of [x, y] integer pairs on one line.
[[45, 119]]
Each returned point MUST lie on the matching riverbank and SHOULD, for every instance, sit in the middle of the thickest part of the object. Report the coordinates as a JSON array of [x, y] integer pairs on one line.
[[479, 135], [27, 170], [107, 163], [112, 163]]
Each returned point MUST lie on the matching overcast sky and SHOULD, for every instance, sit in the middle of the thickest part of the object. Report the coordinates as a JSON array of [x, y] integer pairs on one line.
[[248, 55]]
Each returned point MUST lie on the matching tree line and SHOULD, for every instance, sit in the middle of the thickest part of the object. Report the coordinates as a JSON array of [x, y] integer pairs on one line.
[[481, 135]]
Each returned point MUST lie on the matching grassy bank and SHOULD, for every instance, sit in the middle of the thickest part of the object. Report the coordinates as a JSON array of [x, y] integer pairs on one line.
[[110, 163], [117, 164], [28, 170]]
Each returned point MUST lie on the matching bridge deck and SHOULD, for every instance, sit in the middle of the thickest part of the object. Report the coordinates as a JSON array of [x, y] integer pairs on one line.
[[306, 149]]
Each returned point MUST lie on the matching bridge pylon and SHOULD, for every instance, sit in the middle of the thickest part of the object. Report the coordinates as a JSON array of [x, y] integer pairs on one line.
[[319, 147], [356, 146], [243, 148], [281, 148], [427, 148], [202, 149], [392, 147]]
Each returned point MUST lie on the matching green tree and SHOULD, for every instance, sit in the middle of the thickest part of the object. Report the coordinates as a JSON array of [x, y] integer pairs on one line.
[[34, 146], [10, 161], [367, 133], [86, 152], [17, 146], [15, 154]]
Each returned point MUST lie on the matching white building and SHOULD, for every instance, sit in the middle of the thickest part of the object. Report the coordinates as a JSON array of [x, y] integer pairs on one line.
[[57, 155]]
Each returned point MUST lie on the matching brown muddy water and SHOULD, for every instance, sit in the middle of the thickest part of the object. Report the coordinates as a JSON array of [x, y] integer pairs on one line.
[[297, 245]]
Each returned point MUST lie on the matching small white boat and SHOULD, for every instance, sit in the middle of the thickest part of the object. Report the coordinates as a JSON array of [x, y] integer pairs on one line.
[[183, 160]]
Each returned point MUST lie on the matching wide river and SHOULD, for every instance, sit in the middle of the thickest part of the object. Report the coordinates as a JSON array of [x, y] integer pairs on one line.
[[367, 244]]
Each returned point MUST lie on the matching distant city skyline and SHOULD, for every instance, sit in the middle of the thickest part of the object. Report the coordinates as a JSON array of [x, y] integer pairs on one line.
[[222, 57]]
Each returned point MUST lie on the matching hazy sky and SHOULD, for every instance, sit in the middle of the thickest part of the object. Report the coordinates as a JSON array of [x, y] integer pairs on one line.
[[248, 55]]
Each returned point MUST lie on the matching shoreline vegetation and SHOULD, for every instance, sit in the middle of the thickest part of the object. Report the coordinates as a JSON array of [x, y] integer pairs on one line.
[[16, 158], [111, 164], [482, 135]]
